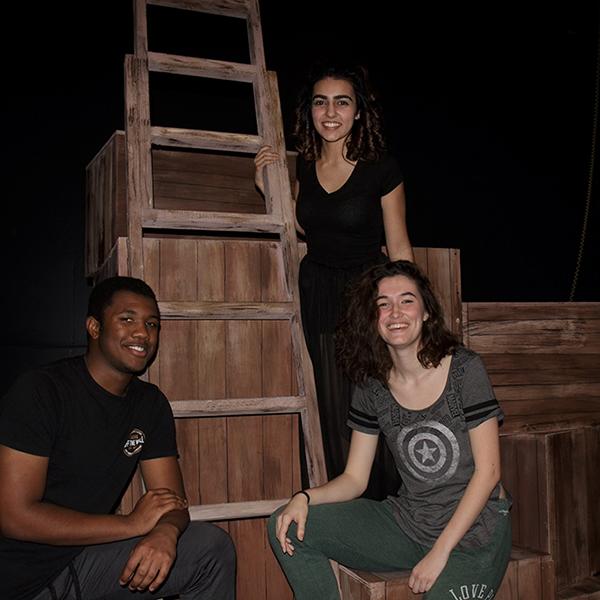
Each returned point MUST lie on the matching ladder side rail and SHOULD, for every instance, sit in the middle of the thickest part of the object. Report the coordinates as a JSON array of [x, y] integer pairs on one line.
[[140, 29], [270, 124], [138, 157]]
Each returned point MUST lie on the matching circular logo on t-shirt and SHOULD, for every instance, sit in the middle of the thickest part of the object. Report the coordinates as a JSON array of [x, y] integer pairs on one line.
[[134, 443], [429, 450]]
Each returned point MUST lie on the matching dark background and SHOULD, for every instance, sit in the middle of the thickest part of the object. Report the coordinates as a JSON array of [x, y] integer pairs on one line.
[[488, 108]]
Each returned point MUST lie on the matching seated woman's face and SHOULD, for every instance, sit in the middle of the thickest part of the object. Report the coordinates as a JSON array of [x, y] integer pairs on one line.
[[400, 312]]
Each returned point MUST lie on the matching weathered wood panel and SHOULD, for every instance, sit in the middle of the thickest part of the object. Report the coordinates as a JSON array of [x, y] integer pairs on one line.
[[106, 209], [442, 267], [543, 360], [552, 478]]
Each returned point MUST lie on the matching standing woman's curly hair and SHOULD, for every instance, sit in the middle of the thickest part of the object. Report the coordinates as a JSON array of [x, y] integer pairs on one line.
[[361, 351], [366, 141]]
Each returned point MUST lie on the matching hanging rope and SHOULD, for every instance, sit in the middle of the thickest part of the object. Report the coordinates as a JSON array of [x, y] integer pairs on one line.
[[588, 196]]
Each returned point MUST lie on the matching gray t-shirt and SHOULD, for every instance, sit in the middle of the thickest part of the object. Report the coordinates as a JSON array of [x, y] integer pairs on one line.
[[432, 450]]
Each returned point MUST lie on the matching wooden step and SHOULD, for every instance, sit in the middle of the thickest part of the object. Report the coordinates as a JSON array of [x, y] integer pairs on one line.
[[529, 576], [200, 67], [239, 406], [587, 589], [235, 510], [191, 220], [177, 137], [227, 8], [226, 310]]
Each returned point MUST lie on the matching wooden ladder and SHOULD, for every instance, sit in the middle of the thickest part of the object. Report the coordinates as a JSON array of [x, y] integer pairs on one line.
[[279, 219]]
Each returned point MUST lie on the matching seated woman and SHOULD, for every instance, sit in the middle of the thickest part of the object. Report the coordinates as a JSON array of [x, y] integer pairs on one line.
[[432, 400]]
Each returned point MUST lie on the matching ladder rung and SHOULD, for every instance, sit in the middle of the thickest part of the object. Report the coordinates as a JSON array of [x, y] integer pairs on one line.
[[235, 510], [153, 218], [224, 407], [200, 67], [228, 8], [205, 140], [226, 310]]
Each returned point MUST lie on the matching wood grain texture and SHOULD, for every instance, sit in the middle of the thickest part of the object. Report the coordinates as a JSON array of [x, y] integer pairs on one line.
[[227, 8], [139, 163], [542, 359], [200, 67]]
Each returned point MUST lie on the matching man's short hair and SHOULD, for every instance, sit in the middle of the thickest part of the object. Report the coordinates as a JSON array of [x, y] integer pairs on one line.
[[102, 294]]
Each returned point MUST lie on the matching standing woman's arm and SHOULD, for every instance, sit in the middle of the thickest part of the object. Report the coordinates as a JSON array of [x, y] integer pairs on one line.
[[485, 445], [397, 242]]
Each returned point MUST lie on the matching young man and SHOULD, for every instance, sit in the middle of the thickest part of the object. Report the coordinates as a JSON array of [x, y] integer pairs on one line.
[[71, 436]]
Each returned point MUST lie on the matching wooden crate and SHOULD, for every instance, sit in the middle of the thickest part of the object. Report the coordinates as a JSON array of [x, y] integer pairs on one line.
[[182, 180], [529, 576], [553, 478]]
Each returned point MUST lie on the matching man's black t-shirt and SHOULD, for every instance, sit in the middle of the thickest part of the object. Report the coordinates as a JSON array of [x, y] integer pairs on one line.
[[93, 441]]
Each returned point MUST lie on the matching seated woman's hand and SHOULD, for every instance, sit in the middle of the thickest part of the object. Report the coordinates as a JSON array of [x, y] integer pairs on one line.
[[296, 510], [265, 156], [427, 570]]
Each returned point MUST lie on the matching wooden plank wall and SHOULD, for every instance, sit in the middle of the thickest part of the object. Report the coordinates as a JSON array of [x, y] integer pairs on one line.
[[543, 360]]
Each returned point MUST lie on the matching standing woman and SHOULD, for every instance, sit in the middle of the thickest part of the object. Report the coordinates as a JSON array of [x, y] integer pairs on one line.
[[432, 400], [349, 202]]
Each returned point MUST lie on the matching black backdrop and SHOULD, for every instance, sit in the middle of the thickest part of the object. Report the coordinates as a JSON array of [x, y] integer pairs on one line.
[[489, 108]]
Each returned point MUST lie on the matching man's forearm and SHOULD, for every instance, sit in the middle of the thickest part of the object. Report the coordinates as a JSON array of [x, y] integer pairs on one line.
[[47, 523]]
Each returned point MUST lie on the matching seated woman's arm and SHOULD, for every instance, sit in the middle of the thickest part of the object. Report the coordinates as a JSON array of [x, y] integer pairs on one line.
[[347, 486]]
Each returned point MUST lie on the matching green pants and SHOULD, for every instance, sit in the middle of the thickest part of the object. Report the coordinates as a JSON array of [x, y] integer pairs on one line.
[[363, 534]]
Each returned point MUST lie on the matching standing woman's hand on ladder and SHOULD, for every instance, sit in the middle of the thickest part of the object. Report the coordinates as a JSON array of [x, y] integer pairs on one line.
[[265, 156]]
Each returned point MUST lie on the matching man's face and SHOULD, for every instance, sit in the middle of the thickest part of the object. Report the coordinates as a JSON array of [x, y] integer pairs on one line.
[[127, 338]]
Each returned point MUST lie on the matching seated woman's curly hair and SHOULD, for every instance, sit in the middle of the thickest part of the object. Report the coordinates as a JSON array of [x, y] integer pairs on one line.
[[361, 351], [366, 141]]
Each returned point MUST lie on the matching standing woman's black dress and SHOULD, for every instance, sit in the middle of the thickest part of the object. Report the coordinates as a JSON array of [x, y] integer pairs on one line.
[[344, 235]]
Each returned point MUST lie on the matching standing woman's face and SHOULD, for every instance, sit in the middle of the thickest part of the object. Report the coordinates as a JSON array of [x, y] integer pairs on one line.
[[334, 109]]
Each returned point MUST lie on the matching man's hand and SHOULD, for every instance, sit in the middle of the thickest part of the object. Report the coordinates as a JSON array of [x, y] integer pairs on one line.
[[151, 560], [151, 507]]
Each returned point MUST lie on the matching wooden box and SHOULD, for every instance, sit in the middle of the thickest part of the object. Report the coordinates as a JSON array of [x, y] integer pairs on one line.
[[553, 478], [182, 179], [529, 576]]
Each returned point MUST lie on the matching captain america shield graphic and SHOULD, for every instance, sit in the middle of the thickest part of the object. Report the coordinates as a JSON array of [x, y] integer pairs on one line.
[[429, 450]]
